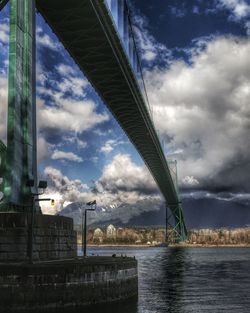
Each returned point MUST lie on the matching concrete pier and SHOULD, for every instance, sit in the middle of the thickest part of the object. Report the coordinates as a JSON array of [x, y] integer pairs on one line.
[[57, 279], [53, 237], [70, 283]]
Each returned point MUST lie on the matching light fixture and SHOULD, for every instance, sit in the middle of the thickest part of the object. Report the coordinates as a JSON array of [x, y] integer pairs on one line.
[[42, 184]]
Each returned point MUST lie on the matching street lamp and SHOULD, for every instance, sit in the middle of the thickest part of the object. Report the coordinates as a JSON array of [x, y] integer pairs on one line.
[[84, 232], [42, 185]]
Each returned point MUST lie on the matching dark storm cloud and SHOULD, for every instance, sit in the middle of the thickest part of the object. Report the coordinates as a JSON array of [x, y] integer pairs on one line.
[[234, 176], [204, 108]]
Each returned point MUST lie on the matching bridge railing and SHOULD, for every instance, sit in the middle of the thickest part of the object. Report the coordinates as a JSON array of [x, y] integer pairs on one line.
[[119, 12]]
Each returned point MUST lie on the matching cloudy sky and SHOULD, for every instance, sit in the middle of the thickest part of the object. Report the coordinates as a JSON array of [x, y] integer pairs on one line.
[[196, 64]]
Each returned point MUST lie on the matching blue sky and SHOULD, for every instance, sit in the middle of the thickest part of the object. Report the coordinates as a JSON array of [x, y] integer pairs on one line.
[[196, 64]]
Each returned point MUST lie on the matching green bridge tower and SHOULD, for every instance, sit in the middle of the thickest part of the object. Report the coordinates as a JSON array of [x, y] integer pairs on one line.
[[20, 162]]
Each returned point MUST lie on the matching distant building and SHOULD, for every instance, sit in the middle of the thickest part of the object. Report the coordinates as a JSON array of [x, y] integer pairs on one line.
[[120, 233], [98, 235], [111, 232]]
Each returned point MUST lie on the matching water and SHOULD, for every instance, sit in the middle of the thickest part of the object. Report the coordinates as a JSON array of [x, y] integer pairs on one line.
[[185, 280]]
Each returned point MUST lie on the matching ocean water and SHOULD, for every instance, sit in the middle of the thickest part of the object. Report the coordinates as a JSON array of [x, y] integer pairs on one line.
[[185, 280]]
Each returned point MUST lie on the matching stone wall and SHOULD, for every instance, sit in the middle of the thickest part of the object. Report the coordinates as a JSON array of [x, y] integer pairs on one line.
[[54, 237], [73, 283]]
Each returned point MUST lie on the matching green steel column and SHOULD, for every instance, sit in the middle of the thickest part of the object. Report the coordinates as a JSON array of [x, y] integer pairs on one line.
[[176, 208], [180, 223], [2, 163], [21, 162]]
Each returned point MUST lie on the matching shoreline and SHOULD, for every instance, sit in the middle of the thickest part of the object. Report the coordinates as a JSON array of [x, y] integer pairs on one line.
[[181, 245], [190, 245], [120, 245]]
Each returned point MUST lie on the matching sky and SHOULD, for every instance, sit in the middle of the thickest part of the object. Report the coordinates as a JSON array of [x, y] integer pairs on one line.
[[196, 65]]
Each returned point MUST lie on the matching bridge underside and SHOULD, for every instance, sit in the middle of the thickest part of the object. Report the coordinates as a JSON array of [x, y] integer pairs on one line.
[[3, 3], [87, 32], [86, 29]]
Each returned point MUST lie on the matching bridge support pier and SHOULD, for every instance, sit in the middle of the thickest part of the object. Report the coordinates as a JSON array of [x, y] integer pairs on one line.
[[21, 155], [178, 231]]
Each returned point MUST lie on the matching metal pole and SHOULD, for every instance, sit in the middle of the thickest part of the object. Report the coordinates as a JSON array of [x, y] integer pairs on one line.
[[82, 234], [91, 203], [85, 234], [166, 225], [31, 233]]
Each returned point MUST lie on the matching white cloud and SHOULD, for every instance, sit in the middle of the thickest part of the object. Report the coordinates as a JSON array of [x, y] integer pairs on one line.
[[4, 33], [150, 49], [43, 149], [64, 69], [247, 26], [196, 10], [240, 8], [71, 115], [203, 110], [123, 174], [110, 144], [62, 155], [230, 197], [44, 40], [240, 11], [74, 140], [102, 133], [94, 159], [178, 12], [190, 181], [68, 109], [62, 189], [149, 55], [75, 85], [124, 190]]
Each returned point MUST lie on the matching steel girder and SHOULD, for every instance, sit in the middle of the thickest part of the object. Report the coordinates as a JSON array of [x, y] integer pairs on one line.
[[86, 29], [3, 3]]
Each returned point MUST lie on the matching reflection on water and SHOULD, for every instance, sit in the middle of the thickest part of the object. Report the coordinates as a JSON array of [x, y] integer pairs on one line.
[[161, 280], [172, 269], [185, 280]]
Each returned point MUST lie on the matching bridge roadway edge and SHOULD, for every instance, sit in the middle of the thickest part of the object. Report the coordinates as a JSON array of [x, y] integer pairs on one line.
[[57, 281], [3, 3]]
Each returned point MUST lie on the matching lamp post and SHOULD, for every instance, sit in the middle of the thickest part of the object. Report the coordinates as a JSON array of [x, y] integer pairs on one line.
[[84, 231], [42, 185]]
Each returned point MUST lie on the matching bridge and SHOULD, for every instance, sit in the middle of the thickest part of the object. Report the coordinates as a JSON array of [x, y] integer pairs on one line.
[[98, 34]]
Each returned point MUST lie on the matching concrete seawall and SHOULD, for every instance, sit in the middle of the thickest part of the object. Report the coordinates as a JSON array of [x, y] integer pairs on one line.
[[67, 283], [54, 237]]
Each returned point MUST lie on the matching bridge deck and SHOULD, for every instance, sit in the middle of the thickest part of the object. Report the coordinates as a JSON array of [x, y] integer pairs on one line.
[[2, 4], [86, 29]]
